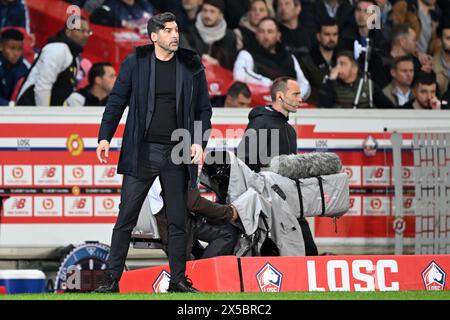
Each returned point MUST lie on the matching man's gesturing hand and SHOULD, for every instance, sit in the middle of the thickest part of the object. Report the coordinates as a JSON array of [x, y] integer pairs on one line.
[[196, 153], [103, 146]]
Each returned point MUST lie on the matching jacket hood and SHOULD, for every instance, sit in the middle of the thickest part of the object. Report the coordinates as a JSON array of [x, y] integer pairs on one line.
[[266, 111], [188, 57], [75, 48]]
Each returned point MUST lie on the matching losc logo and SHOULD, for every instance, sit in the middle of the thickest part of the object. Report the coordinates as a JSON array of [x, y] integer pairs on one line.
[[48, 204], [161, 283], [434, 277], [269, 279], [78, 172], [108, 204], [17, 172]]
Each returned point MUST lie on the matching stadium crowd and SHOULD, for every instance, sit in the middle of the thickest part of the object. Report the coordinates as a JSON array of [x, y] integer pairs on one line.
[[312, 41]]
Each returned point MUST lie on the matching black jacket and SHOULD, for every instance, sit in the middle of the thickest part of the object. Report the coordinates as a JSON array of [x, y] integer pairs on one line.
[[134, 87], [266, 118]]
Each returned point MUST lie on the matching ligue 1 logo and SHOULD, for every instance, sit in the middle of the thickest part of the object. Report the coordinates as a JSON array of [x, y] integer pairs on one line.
[[161, 283], [434, 277], [269, 279]]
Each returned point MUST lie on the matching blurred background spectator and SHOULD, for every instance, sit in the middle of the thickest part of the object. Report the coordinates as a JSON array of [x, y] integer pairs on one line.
[[238, 96], [294, 34], [53, 77], [318, 10], [340, 88], [441, 60], [245, 32], [268, 59], [13, 68], [211, 37], [130, 14], [13, 13], [318, 63], [425, 89], [399, 91], [102, 77]]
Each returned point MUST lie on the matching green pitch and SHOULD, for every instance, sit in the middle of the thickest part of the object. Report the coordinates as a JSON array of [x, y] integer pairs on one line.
[[402, 295]]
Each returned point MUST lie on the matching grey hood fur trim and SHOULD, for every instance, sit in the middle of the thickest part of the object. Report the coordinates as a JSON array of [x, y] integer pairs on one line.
[[306, 165]]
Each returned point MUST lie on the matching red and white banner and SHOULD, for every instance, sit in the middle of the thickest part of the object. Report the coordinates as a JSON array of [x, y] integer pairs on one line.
[[282, 274]]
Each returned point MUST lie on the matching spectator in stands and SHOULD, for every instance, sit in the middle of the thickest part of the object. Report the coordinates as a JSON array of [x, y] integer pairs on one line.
[[425, 90], [13, 13], [358, 30], [210, 36], [268, 59], [423, 17], [130, 14], [446, 99], [53, 77], [339, 89], [238, 96], [246, 31], [322, 58], [190, 10], [102, 77], [319, 10], [385, 19], [403, 44], [441, 60], [12, 66], [295, 36], [399, 91]]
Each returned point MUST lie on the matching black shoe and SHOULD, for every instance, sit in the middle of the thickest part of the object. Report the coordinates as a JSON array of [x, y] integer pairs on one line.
[[184, 285], [108, 284]]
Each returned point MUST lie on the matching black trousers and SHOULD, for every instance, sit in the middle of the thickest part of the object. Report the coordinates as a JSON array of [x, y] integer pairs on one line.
[[154, 160], [221, 236]]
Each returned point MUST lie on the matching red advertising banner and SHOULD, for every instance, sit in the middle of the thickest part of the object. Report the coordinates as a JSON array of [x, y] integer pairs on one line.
[[282, 274], [345, 273]]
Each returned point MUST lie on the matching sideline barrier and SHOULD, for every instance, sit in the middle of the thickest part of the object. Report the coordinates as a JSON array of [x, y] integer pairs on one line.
[[213, 275], [282, 274]]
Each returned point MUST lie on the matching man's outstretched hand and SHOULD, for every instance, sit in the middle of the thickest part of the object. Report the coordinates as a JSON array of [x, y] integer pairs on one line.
[[196, 153], [103, 147]]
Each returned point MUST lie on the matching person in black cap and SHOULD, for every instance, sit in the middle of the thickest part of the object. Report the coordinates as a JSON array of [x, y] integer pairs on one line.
[[210, 36]]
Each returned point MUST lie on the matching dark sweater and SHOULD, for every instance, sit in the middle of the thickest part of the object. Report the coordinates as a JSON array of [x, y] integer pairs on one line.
[[164, 120]]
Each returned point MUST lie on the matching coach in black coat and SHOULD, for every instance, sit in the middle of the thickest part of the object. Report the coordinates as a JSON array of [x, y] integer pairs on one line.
[[165, 88], [132, 88]]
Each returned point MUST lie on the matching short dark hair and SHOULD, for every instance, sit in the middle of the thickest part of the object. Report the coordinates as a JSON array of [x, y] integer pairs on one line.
[[398, 31], [348, 54], [158, 21], [279, 84], [401, 59], [238, 88], [327, 22], [97, 70], [269, 19], [370, 1], [445, 24], [12, 34], [425, 78]]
